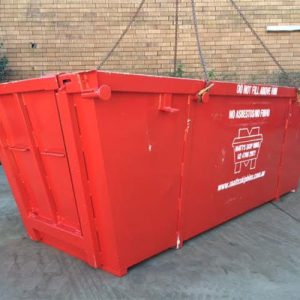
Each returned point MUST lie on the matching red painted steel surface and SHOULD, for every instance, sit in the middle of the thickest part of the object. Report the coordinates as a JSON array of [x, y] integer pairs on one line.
[[115, 168], [290, 166], [234, 153]]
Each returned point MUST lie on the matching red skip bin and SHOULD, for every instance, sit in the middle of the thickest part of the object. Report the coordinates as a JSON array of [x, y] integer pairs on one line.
[[115, 168]]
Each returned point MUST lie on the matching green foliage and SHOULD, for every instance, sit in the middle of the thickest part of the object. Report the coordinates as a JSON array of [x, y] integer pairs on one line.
[[289, 79], [211, 75], [277, 78], [179, 71], [3, 67]]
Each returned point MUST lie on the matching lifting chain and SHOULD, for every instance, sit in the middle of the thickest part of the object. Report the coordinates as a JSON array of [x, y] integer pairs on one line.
[[277, 63], [176, 37], [197, 33], [110, 53], [200, 53]]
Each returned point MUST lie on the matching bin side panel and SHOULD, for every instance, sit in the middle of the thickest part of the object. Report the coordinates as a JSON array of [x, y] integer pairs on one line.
[[233, 158], [147, 146], [81, 178], [290, 171], [133, 160]]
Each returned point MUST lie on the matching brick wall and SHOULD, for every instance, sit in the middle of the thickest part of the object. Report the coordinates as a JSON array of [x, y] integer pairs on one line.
[[72, 35]]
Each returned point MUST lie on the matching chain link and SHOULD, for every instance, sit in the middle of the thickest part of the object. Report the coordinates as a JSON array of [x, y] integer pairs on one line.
[[110, 53], [200, 53]]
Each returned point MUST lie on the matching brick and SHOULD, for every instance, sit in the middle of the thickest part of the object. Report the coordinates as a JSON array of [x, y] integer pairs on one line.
[[73, 35]]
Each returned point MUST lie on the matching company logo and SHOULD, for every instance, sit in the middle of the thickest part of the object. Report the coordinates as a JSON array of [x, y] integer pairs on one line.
[[246, 148]]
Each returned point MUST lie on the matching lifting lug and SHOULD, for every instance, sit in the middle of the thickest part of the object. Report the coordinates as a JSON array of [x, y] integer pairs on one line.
[[201, 95], [102, 93]]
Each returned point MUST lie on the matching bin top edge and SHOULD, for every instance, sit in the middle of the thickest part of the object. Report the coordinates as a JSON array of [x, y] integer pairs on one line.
[[126, 82], [227, 88], [29, 85], [138, 81], [139, 75]]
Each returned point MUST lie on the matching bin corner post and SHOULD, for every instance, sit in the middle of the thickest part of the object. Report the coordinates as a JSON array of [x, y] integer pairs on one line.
[[184, 159], [88, 122], [79, 184], [282, 150], [99, 236]]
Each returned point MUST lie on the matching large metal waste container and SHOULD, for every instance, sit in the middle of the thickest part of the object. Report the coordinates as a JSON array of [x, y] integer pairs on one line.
[[115, 168]]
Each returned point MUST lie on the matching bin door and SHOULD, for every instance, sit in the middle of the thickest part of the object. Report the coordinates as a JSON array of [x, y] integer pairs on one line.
[[37, 166], [234, 153]]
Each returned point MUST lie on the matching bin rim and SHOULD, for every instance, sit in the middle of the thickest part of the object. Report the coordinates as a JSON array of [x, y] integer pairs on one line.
[[127, 82], [227, 88], [183, 85], [29, 85]]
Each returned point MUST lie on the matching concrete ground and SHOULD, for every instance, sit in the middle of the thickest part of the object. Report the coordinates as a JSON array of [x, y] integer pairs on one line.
[[256, 256]]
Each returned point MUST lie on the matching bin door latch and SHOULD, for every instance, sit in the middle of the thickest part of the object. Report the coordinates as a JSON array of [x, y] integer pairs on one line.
[[202, 96], [165, 104], [102, 93]]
